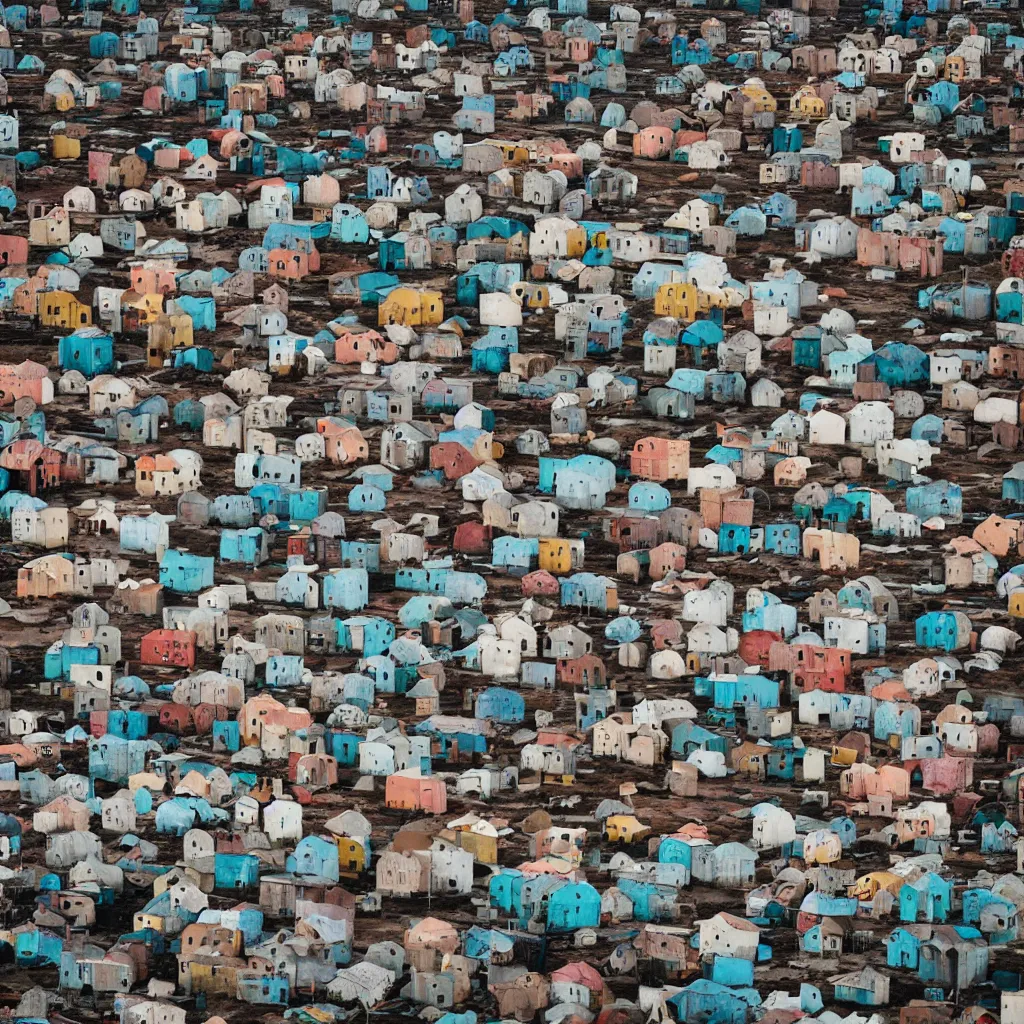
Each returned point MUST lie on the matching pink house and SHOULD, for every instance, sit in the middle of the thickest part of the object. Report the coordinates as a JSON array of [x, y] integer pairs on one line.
[[409, 791]]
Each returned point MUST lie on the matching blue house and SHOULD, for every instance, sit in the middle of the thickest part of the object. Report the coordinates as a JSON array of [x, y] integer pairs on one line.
[[623, 630], [235, 510], [317, 856], [515, 553], [235, 871], [103, 44], [367, 498], [1010, 304], [588, 590], [189, 413], [750, 221], [348, 225], [898, 364], [771, 614], [903, 946], [1000, 914], [37, 947], [500, 888], [358, 690], [490, 354], [937, 630], [361, 554], [686, 738], [945, 95], [90, 351], [689, 381], [284, 670], [896, 719], [60, 656], [554, 471], [779, 208], [940, 498], [730, 970], [263, 989], [181, 83], [1013, 484], [927, 899], [367, 634], [651, 901], [130, 725], [501, 704], [114, 759], [865, 987], [807, 347], [696, 52], [196, 357], [185, 573], [782, 539], [248, 546], [346, 589], [729, 693], [344, 747], [1001, 838], [706, 1000], [955, 232], [226, 737], [870, 201], [573, 905], [594, 705], [649, 497], [306, 503], [733, 539], [957, 302], [178, 814]]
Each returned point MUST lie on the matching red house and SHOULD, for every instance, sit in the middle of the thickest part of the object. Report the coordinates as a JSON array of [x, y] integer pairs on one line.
[[453, 458], [204, 715], [754, 646], [540, 583], [176, 718], [472, 538], [169, 647], [586, 670]]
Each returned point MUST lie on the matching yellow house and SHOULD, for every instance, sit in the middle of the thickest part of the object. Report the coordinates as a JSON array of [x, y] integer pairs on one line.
[[143, 920], [707, 301], [530, 295], [483, 847], [62, 309], [807, 102], [761, 99], [867, 886], [1015, 606], [554, 554], [166, 333], [351, 856], [513, 153], [955, 68], [677, 299], [411, 308], [843, 757], [65, 148], [145, 309], [625, 828], [214, 975], [576, 243]]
